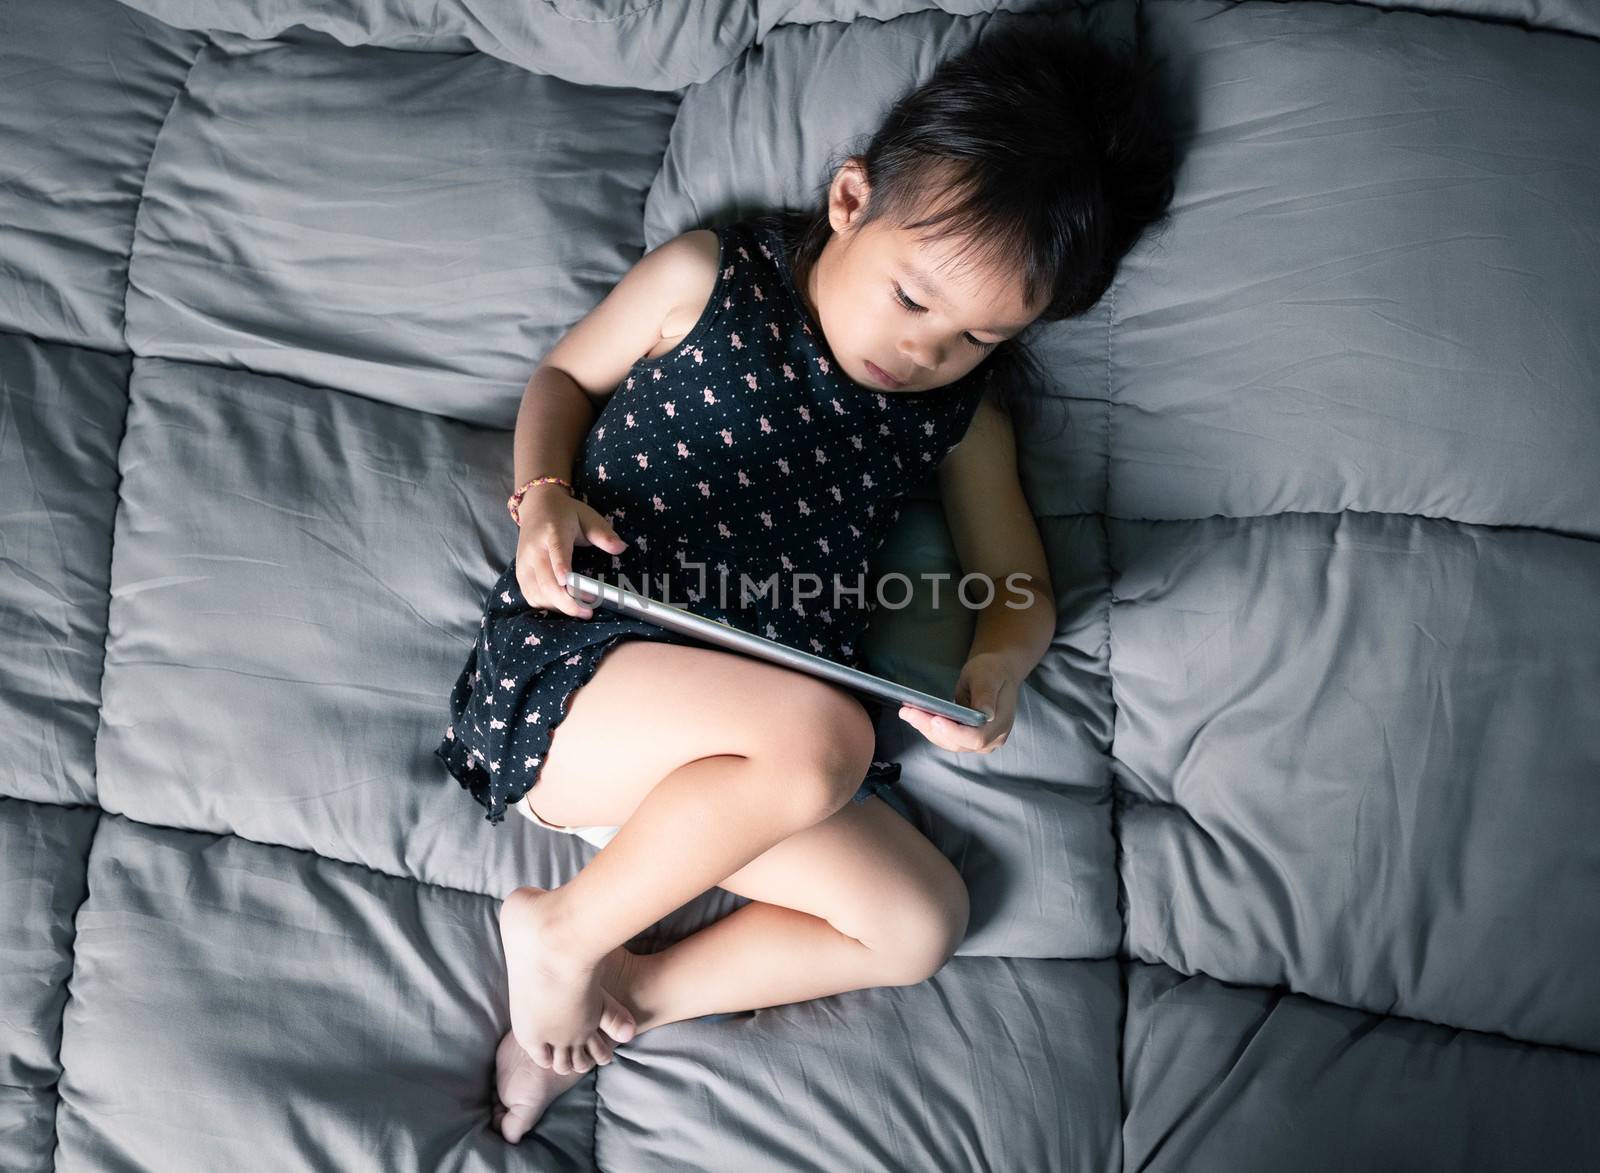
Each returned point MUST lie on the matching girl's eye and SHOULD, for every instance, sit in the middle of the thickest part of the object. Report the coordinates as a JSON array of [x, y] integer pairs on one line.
[[900, 296]]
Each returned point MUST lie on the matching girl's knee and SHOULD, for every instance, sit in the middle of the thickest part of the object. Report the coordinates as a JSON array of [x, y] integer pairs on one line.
[[823, 746], [927, 932]]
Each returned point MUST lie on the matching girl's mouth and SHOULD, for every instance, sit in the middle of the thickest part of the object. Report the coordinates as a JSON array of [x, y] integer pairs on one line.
[[881, 375]]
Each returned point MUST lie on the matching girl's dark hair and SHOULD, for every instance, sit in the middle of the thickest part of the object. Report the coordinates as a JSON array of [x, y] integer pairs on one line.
[[1040, 148]]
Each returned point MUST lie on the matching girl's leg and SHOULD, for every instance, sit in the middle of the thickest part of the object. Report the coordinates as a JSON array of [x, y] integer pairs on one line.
[[698, 825], [861, 899], [742, 782]]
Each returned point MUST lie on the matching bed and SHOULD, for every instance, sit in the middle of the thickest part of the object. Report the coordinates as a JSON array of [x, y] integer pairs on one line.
[[1291, 860]]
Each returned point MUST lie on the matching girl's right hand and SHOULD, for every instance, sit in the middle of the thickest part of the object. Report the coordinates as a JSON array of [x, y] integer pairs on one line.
[[552, 522]]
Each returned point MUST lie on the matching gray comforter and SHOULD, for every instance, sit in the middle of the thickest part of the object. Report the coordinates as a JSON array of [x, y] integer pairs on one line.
[[1292, 861]]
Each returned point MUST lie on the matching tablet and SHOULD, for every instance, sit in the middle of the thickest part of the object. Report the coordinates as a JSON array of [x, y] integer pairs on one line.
[[714, 631]]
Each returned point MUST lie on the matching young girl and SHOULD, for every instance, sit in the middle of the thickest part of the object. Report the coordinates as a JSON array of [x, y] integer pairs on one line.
[[799, 375]]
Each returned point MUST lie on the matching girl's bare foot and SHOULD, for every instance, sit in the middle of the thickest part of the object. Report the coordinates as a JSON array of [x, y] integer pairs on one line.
[[523, 1088], [561, 1011]]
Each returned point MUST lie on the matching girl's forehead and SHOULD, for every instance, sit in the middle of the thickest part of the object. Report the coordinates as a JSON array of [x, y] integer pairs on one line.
[[956, 276]]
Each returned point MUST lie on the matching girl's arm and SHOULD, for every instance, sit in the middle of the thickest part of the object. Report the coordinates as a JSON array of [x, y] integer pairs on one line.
[[994, 535], [554, 417], [569, 389], [571, 385]]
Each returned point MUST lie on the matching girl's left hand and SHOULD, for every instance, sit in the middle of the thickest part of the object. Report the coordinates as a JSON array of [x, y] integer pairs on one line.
[[985, 684]]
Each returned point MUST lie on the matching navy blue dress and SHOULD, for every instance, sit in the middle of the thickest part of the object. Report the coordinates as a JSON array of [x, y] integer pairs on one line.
[[745, 450]]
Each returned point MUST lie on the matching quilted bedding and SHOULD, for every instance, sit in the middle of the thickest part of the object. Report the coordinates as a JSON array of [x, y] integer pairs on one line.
[[1292, 859]]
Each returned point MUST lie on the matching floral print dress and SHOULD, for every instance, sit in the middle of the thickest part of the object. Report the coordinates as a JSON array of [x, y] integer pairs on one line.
[[743, 451]]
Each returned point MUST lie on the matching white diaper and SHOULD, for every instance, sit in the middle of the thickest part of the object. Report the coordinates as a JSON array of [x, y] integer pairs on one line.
[[598, 835]]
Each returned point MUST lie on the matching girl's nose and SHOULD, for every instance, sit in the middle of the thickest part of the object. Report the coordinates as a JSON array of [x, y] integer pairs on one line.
[[920, 354]]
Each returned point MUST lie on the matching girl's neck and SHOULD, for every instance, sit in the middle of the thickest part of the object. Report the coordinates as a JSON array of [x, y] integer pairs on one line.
[[801, 274]]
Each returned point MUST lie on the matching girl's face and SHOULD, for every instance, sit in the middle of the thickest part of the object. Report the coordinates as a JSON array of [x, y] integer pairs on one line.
[[884, 298]]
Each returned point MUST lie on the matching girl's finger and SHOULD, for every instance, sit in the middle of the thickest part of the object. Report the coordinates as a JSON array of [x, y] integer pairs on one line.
[[563, 601], [539, 571], [924, 724], [956, 735], [558, 573], [943, 732]]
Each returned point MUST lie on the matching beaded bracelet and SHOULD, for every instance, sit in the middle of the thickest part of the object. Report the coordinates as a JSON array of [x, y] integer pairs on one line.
[[516, 498]]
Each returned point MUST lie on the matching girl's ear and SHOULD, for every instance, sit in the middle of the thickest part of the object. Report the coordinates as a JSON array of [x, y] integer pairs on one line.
[[848, 195]]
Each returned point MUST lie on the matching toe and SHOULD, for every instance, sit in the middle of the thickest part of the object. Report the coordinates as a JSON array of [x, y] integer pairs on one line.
[[514, 1124], [600, 1050], [582, 1061], [615, 1019]]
